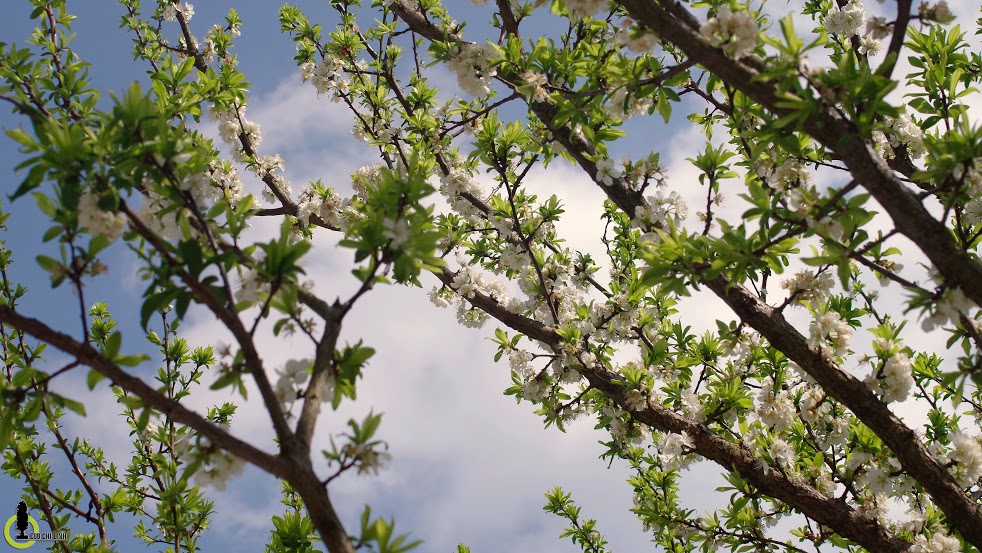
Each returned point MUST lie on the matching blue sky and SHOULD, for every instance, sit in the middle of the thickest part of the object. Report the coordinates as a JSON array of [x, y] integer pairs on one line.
[[468, 464]]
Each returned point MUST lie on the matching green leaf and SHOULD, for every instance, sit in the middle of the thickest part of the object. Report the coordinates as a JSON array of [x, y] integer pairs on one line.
[[71, 404], [6, 427], [93, 378]]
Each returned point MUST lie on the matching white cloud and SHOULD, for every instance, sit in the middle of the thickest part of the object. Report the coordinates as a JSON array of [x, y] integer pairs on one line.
[[469, 465]]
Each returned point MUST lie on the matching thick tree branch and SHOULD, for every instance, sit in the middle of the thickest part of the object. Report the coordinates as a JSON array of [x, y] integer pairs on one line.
[[915, 459], [911, 219], [147, 394], [897, 40], [319, 379], [829, 511], [910, 216], [231, 321]]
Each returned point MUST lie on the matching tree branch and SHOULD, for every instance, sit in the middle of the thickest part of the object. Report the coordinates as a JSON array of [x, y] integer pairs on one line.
[[839, 136], [150, 396]]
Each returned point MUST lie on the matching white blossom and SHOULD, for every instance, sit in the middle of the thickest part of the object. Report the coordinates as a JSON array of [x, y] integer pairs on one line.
[[98, 222], [165, 225], [398, 231], [939, 12], [327, 78], [829, 327], [673, 446], [636, 400], [441, 297], [534, 390], [791, 173], [735, 32], [586, 8], [965, 459], [659, 210], [536, 82], [692, 407], [471, 317], [869, 45], [625, 104], [877, 28], [520, 361], [947, 310], [848, 20], [606, 172], [220, 468], [471, 63], [634, 38], [896, 379], [775, 408], [169, 13], [368, 459], [250, 286], [939, 542], [809, 286], [903, 131]]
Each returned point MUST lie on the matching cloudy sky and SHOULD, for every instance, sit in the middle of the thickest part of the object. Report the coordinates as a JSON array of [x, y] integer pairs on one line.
[[469, 465]]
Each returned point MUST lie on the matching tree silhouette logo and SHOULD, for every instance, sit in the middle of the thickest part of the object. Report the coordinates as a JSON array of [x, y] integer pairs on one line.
[[20, 521]]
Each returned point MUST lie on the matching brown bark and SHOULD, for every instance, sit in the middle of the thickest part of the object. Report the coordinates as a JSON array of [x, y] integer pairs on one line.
[[910, 217], [149, 395], [831, 512]]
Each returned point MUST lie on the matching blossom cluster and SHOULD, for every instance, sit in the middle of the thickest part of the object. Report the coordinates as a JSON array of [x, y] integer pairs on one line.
[[947, 310], [169, 12], [939, 11], [736, 32], [367, 458], [536, 83], [325, 204], [251, 285], [939, 542], [790, 177], [646, 171], [971, 178], [625, 103], [207, 48], [226, 178], [673, 449], [221, 466], [232, 126], [894, 380], [327, 77], [99, 222], [774, 407], [291, 378], [366, 178], [964, 459], [848, 20], [791, 173], [586, 8], [621, 429], [660, 210], [635, 38], [809, 286], [900, 131], [472, 65], [454, 186], [607, 172], [830, 328], [467, 282]]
